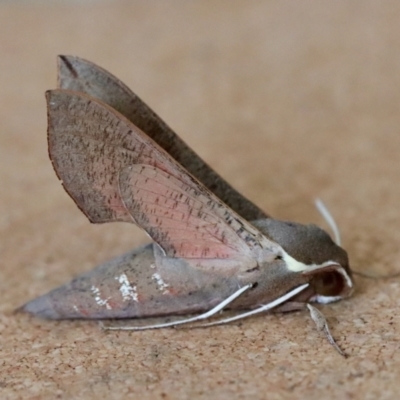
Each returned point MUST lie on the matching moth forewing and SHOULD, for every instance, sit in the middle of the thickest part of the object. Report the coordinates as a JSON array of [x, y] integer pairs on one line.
[[136, 285], [80, 75]]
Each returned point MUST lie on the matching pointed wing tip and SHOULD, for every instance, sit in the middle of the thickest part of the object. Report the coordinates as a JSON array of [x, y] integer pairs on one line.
[[48, 94], [67, 67], [67, 58], [52, 95], [40, 307], [62, 58]]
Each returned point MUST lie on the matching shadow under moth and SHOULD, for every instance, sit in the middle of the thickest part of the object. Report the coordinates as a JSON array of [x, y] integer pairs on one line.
[[212, 248]]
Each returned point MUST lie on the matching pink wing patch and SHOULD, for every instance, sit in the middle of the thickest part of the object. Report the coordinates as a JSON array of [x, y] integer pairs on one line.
[[185, 220]]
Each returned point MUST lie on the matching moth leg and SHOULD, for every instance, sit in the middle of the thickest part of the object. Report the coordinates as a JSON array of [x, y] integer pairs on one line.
[[205, 315], [263, 308], [322, 325]]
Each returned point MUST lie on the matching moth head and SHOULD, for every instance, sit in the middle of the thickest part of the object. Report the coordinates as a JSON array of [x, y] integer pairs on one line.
[[330, 283], [310, 251]]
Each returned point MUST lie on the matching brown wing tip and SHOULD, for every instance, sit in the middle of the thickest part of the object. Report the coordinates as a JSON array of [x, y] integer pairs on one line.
[[52, 95], [70, 69], [66, 66], [48, 94]]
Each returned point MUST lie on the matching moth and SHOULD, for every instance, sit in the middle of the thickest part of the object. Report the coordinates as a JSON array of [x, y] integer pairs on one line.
[[212, 248]]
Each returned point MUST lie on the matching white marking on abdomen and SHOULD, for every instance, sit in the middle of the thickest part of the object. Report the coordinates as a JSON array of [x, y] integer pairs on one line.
[[162, 286], [128, 291], [101, 302]]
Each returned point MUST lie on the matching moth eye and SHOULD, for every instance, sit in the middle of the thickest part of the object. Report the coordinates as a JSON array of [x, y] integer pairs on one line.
[[328, 284]]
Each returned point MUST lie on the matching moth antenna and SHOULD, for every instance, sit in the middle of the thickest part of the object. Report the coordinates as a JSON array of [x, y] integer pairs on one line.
[[205, 315], [258, 310], [323, 210], [322, 325], [332, 224]]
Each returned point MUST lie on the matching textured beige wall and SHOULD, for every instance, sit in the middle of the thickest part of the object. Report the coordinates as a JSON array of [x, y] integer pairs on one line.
[[287, 100]]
